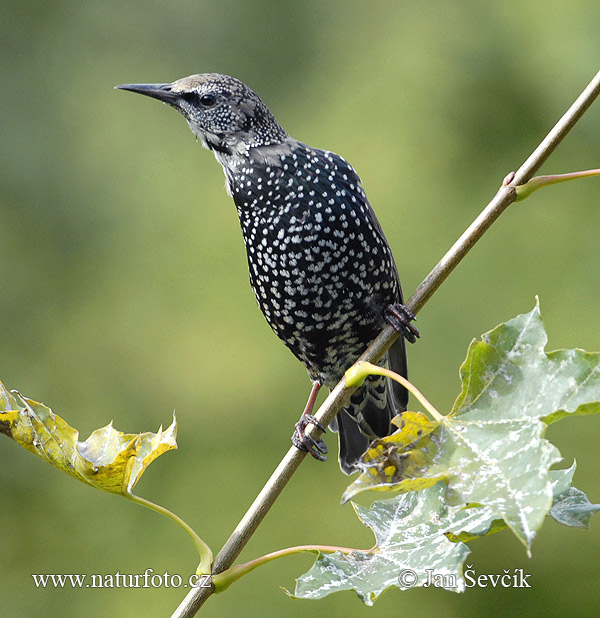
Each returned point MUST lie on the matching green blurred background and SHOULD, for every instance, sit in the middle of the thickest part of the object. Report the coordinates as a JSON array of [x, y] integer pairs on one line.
[[125, 292]]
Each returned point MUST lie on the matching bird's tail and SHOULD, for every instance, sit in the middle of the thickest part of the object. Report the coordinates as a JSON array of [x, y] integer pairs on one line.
[[371, 409]]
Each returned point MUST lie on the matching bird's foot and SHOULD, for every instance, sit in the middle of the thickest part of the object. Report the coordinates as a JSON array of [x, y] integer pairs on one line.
[[304, 442], [400, 317]]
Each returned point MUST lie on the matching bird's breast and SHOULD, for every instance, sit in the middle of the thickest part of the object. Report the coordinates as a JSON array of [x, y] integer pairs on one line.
[[320, 268]]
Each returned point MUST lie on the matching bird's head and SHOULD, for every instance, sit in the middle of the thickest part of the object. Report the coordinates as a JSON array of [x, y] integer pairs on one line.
[[228, 116]]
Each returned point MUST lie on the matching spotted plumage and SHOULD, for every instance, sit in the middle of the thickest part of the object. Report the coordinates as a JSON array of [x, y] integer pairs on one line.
[[320, 266]]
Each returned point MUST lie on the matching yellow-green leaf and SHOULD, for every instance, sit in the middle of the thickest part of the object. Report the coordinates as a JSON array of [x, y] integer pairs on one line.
[[397, 462], [109, 459]]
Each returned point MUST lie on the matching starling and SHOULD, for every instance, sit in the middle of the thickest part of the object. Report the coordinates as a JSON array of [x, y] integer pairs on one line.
[[320, 266]]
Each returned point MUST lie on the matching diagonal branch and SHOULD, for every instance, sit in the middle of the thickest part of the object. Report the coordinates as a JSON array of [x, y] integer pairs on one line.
[[505, 196]]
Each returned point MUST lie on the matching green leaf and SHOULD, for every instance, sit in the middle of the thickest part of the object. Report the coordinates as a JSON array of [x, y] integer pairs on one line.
[[411, 546], [108, 459], [562, 479], [420, 540], [490, 449], [561, 493], [571, 506]]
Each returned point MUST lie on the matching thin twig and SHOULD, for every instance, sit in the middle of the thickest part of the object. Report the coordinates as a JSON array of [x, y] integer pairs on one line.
[[340, 394]]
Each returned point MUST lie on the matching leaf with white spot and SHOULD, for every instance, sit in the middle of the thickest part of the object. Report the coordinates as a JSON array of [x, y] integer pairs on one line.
[[490, 449], [411, 547], [420, 540], [571, 506]]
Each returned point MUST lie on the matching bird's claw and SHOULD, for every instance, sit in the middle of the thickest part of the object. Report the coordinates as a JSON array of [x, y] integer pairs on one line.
[[305, 442], [400, 317]]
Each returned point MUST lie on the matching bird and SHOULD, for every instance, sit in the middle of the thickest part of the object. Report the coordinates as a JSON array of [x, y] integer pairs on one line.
[[320, 266]]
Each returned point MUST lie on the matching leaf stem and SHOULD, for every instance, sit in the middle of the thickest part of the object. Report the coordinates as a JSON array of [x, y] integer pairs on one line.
[[223, 580], [525, 190], [357, 374], [206, 556]]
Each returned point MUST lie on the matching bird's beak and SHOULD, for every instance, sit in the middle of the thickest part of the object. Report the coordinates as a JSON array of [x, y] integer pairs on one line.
[[162, 92]]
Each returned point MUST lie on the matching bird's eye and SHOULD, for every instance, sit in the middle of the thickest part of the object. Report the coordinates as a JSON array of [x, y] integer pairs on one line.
[[207, 100], [204, 100]]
